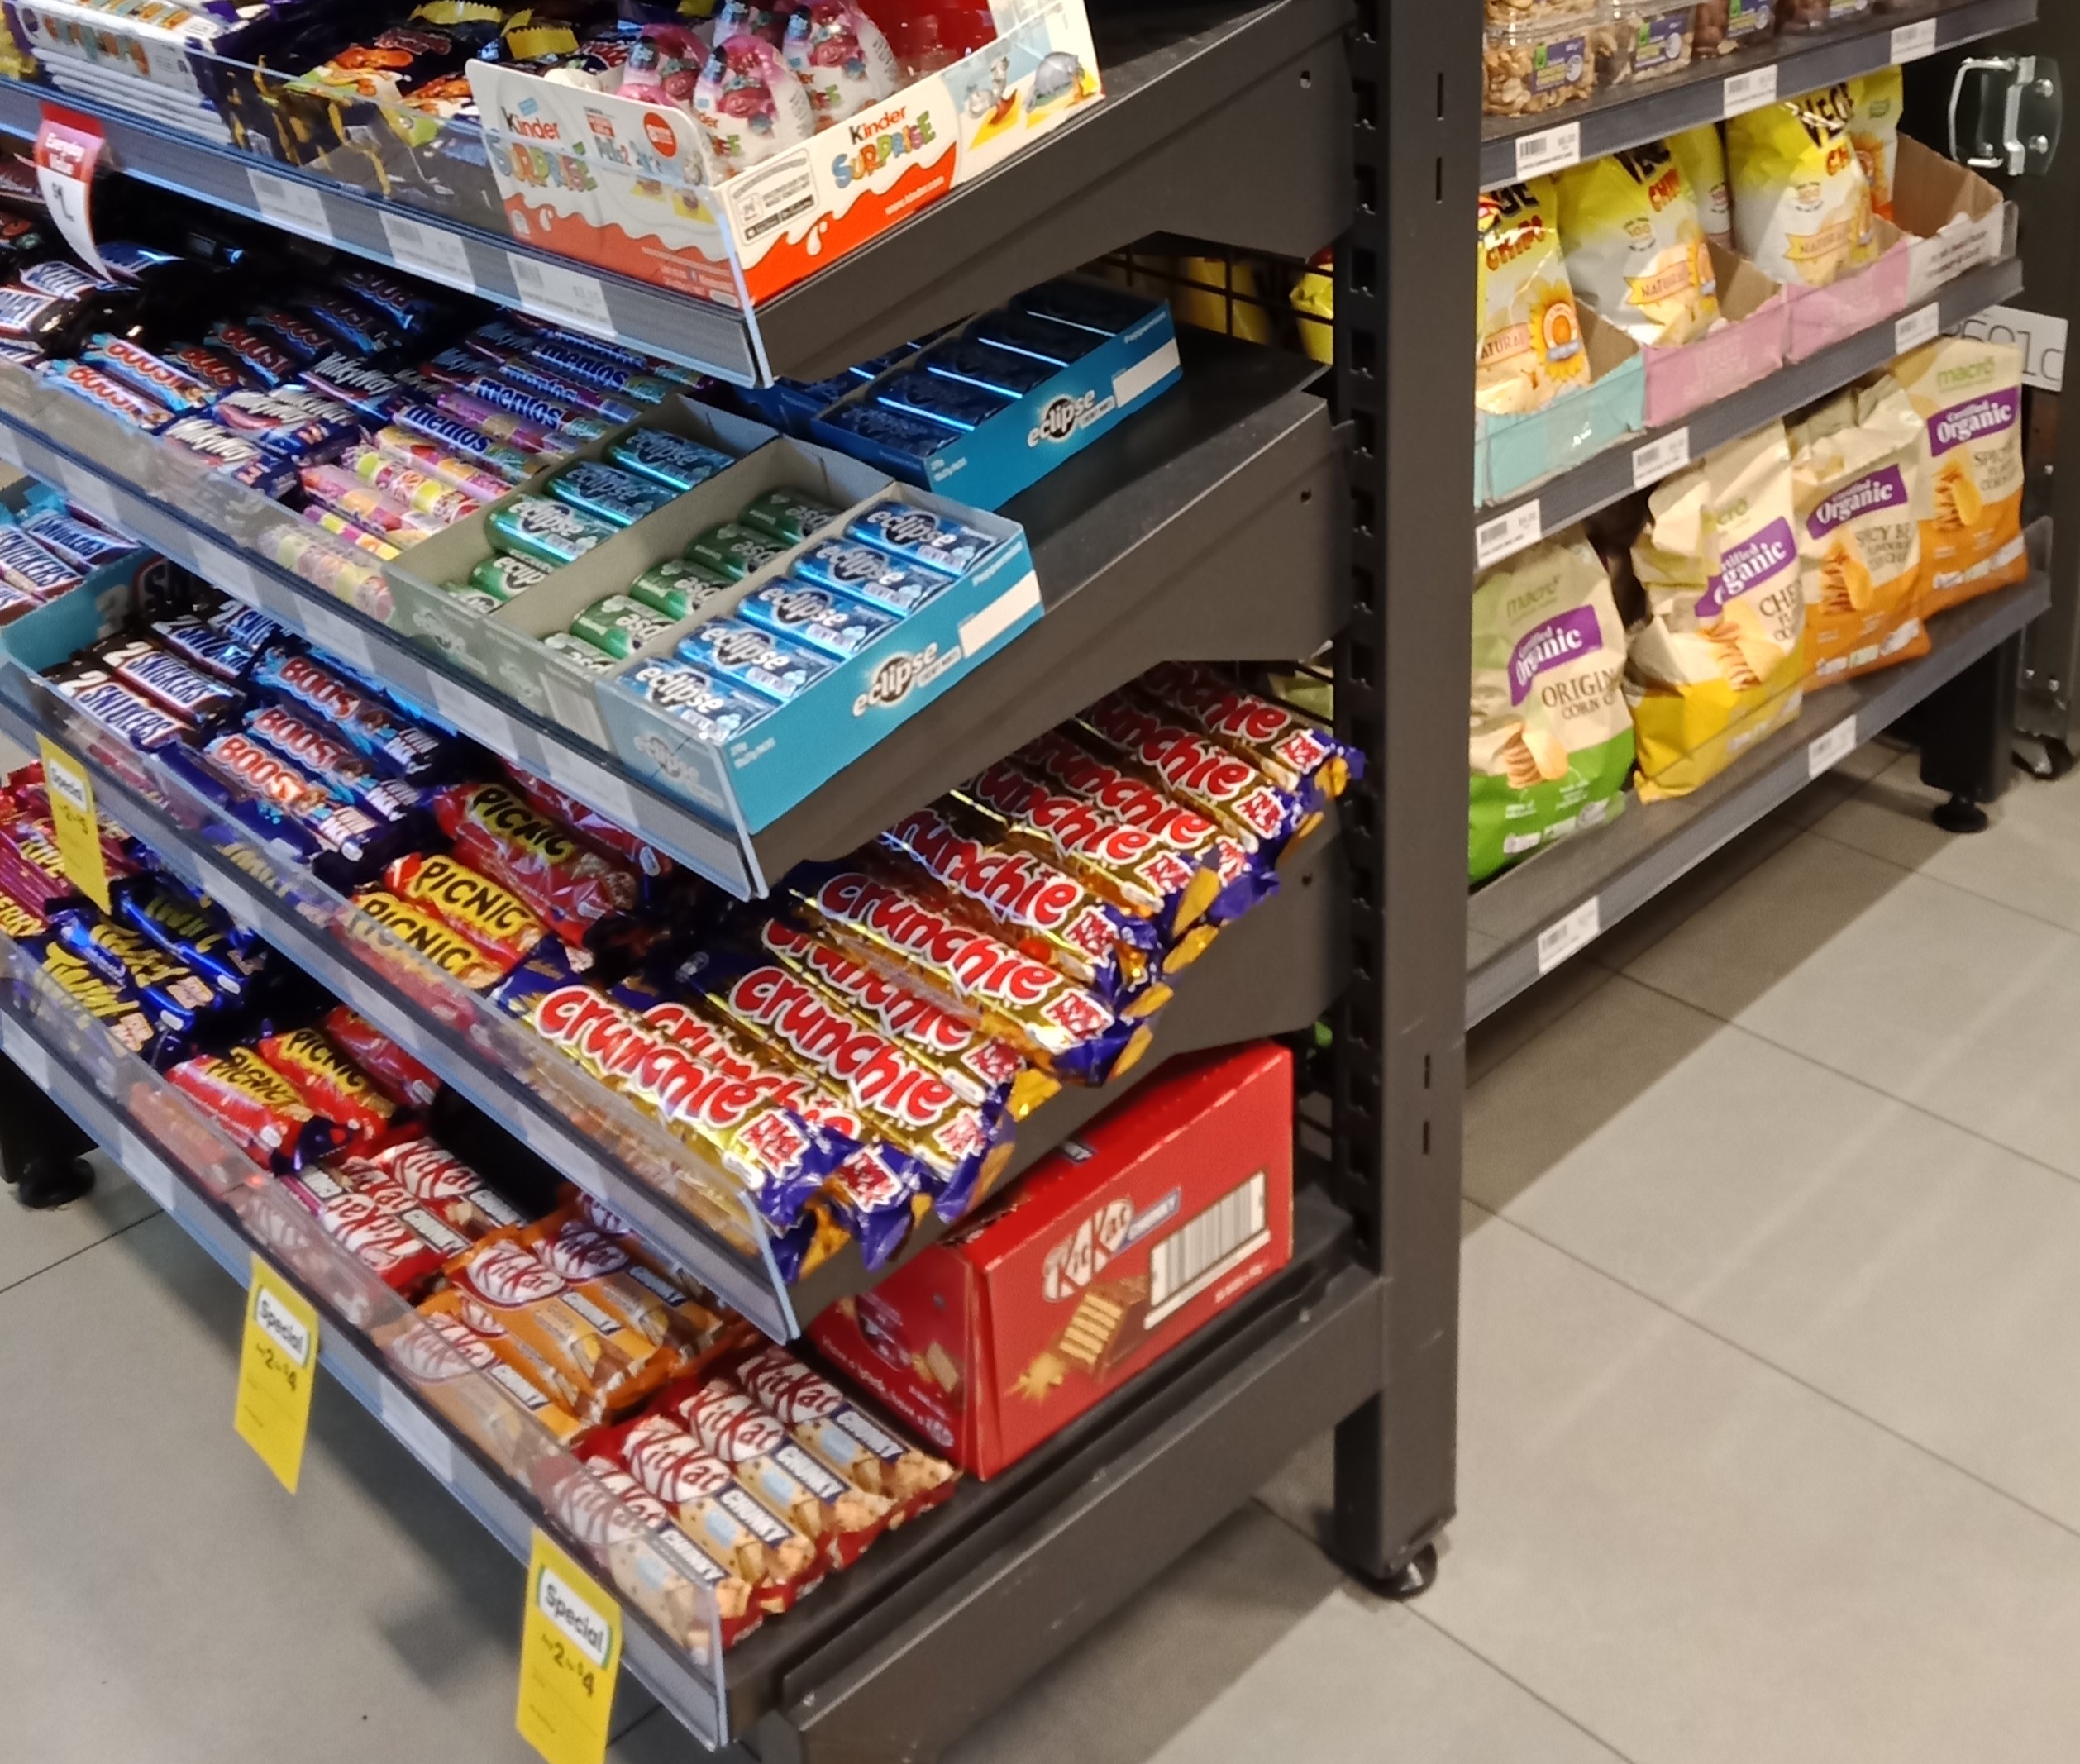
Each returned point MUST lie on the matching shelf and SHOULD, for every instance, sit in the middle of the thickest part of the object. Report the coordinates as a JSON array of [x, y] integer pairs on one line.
[[1205, 528], [1610, 476], [488, 1452], [1182, 86], [1275, 971], [1716, 87], [1036, 1556], [1529, 919]]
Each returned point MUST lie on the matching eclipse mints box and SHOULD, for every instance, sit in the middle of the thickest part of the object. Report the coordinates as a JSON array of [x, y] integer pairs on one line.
[[1169, 1207]]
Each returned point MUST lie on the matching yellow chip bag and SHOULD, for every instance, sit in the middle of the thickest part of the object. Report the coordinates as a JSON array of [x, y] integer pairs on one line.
[[1548, 739], [1801, 203], [1702, 155], [1635, 245], [1874, 130], [1719, 662], [1860, 477], [1530, 345], [1969, 395]]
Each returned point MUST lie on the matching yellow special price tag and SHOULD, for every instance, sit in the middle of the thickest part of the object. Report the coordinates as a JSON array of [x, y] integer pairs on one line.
[[569, 1651], [277, 1367], [71, 794]]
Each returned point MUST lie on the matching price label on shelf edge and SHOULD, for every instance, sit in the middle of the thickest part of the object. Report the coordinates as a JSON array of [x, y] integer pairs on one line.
[[89, 489], [1742, 93], [1914, 42], [277, 1367], [438, 255], [569, 1655], [591, 782], [1916, 328], [10, 447], [69, 148], [1825, 752], [341, 636], [1548, 151], [1659, 459], [228, 571], [1565, 937], [290, 204], [410, 1426], [1508, 534], [569, 296], [472, 715]]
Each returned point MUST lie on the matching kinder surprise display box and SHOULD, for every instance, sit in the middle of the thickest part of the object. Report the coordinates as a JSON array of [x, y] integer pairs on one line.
[[1168, 1209], [639, 188]]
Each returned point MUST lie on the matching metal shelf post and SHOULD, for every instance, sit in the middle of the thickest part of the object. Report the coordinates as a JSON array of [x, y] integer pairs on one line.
[[1405, 279]]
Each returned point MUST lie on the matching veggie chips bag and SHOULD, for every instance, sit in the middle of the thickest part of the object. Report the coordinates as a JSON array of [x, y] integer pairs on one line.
[[1530, 345], [1702, 155], [1860, 470], [1719, 662], [1635, 245], [1969, 395], [1801, 203], [1549, 742]]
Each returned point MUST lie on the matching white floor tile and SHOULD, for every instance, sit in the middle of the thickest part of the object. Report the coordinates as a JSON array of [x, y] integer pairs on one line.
[[1923, 1276], [31, 1242], [1702, 1562]]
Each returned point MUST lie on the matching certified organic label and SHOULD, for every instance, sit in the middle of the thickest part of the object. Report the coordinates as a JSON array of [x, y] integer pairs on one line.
[[277, 1366], [569, 1653], [71, 794]]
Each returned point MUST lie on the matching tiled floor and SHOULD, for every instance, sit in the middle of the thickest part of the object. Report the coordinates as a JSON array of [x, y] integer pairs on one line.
[[1771, 1446]]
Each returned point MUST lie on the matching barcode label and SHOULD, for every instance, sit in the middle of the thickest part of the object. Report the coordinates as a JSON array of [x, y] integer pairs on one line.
[[1832, 748], [1660, 459], [10, 448], [228, 571], [1205, 1247], [294, 207], [1747, 92], [1548, 151], [329, 631], [410, 1425], [145, 1167], [1508, 534], [550, 291], [27, 1051], [429, 251], [1917, 328], [1563, 938], [1914, 42], [87, 490]]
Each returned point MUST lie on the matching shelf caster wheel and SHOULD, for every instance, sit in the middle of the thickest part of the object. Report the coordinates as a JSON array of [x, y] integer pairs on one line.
[[1960, 815], [1413, 1579], [51, 1179]]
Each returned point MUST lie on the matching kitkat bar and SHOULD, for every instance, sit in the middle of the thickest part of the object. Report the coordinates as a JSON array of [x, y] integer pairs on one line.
[[842, 1435], [1178, 1203]]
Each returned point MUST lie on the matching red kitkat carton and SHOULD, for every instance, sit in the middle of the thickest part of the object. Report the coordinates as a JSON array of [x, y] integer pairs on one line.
[[1171, 1206]]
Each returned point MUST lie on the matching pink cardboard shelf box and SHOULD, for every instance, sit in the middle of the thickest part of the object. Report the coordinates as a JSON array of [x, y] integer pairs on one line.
[[1750, 345], [1824, 316]]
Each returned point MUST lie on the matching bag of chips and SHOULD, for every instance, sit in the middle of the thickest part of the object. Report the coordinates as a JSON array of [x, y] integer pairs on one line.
[[1969, 395], [1874, 130], [1702, 155], [1635, 246], [1530, 346], [1859, 472], [1719, 661], [1549, 740], [1801, 203]]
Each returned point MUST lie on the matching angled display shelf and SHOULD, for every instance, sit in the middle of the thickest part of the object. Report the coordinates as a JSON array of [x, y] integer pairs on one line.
[[1713, 87], [1182, 85], [1239, 465], [1529, 919]]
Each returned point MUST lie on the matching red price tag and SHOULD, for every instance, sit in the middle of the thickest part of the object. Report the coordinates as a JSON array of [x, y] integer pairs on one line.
[[69, 147]]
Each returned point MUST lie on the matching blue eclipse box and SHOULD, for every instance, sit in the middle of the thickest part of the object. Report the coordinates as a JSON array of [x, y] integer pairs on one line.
[[992, 410]]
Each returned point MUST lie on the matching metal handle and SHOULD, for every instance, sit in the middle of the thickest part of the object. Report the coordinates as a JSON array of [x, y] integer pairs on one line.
[[2030, 109]]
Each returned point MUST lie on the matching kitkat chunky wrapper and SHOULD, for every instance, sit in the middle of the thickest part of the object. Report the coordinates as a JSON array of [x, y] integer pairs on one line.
[[403, 1247], [1099, 777], [837, 1430], [907, 928], [259, 1109], [1214, 778], [1032, 903]]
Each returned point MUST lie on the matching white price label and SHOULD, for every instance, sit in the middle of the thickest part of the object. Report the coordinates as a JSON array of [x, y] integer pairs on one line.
[[1548, 151], [420, 1437], [1917, 328], [593, 784], [1564, 938], [145, 1167], [1827, 751], [2041, 339], [294, 206], [1658, 458], [1508, 534], [550, 291], [486, 723], [89, 491], [228, 571], [426, 251], [27, 1051], [342, 636], [1914, 42], [1747, 92]]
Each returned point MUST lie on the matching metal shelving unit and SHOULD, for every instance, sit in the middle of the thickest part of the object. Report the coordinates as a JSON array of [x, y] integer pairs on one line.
[[1716, 87]]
